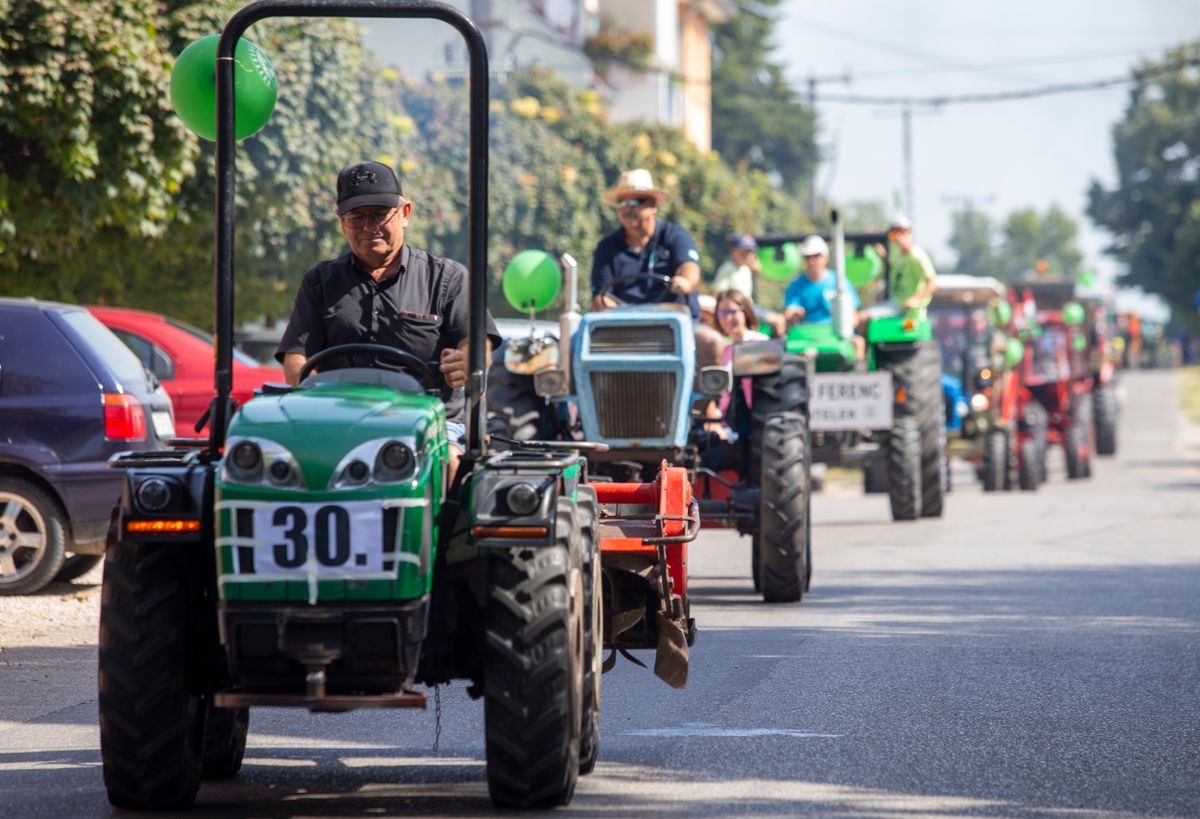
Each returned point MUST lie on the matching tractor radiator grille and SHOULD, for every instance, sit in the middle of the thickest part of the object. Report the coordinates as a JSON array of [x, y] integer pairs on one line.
[[635, 405], [635, 339]]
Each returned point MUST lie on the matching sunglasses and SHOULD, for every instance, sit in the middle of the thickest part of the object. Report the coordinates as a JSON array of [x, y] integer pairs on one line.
[[728, 312], [639, 202]]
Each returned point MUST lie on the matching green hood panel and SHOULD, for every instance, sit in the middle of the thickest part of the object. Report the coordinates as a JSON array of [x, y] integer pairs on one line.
[[320, 424]]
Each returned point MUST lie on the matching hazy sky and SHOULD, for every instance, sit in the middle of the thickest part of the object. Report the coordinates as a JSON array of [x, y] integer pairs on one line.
[[1002, 155]]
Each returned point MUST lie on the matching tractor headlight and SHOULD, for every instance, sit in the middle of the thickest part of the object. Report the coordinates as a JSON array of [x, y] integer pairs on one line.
[[396, 463], [259, 461], [979, 402], [715, 381], [381, 461], [550, 383], [153, 495], [523, 499]]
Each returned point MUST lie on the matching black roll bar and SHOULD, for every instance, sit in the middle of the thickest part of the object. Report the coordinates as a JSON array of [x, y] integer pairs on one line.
[[477, 196]]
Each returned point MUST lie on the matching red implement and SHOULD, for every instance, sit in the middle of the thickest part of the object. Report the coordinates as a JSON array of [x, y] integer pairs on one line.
[[644, 531]]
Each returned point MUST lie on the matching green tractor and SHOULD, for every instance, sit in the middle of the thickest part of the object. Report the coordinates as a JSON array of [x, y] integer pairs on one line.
[[885, 413], [311, 552]]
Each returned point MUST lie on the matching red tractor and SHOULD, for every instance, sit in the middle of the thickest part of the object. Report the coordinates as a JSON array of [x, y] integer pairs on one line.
[[1055, 399]]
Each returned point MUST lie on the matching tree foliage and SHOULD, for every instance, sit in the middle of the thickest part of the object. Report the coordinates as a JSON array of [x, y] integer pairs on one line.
[[1153, 211], [1011, 250], [105, 197], [757, 121]]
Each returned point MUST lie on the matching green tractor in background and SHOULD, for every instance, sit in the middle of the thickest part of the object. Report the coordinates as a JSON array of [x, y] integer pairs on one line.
[[885, 413]]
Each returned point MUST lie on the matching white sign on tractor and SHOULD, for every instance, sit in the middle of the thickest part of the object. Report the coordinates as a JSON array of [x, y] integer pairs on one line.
[[844, 401]]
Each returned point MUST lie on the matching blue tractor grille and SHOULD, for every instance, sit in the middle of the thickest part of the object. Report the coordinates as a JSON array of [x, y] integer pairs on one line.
[[634, 405], [632, 339]]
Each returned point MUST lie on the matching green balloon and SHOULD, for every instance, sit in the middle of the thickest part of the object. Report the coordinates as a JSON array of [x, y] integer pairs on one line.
[[1014, 351], [1087, 278], [531, 280], [780, 263], [1001, 314], [862, 270], [194, 88], [1073, 313]]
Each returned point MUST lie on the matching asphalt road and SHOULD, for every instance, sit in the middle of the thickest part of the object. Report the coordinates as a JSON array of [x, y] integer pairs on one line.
[[1027, 655]]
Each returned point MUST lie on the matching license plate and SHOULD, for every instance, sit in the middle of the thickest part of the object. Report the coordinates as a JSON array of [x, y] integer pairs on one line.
[[299, 540], [851, 401], [164, 425]]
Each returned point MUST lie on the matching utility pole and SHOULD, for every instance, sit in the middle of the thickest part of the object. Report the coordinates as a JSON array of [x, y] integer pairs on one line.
[[906, 139], [813, 80]]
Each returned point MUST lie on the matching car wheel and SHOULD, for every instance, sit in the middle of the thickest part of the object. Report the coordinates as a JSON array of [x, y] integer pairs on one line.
[[32, 537]]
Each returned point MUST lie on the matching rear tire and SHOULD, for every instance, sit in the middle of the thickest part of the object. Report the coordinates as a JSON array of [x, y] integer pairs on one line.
[[1106, 419], [1077, 442], [783, 508], [1027, 471], [1037, 422], [33, 537], [904, 469], [151, 723], [533, 669]]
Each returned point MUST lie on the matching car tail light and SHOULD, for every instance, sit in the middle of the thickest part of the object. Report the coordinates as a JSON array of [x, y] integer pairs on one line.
[[124, 418]]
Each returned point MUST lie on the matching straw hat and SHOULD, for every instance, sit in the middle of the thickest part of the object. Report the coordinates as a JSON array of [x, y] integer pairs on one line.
[[637, 182]]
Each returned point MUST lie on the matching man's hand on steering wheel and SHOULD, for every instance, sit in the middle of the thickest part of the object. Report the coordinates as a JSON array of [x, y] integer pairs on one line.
[[407, 362], [453, 366], [681, 285], [607, 297]]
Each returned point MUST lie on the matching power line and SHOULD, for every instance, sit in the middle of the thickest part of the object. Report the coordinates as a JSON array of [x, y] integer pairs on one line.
[[938, 101]]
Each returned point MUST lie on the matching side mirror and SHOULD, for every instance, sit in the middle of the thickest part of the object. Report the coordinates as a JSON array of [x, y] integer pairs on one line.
[[525, 356], [715, 381], [756, 358]]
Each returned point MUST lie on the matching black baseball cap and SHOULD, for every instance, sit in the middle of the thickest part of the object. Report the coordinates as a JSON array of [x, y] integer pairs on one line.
[[367, 183]]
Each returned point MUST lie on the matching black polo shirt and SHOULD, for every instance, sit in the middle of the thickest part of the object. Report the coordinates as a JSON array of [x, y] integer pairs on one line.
[[668, 249], [422, 310]]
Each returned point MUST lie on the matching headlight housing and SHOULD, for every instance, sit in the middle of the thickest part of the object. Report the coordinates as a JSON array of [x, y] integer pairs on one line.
[[381, 461], [260, 462]]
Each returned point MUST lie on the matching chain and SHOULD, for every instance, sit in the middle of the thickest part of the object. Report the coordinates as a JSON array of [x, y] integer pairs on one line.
[[437, 717]]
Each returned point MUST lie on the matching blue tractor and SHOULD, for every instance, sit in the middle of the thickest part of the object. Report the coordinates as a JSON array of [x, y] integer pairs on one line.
[[627, 377]]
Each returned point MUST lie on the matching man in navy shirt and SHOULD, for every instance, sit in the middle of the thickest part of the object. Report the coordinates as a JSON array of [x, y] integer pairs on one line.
[[649, 246], [645, 245]]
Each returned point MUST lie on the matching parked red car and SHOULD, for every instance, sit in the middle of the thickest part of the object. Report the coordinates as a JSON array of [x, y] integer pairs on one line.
[[182, 357]]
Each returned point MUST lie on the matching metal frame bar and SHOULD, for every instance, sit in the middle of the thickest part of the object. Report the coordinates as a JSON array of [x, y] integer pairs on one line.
[[477, 195]]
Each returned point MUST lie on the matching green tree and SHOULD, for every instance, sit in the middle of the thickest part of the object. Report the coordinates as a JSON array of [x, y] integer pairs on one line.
[[1153, 211], [104, 195], [972, 240], [1030, 237], [757, 120], [87, 139]]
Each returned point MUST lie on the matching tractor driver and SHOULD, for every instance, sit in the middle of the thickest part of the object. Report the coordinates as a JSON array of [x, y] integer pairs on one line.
[[807, 298], [644, 244], [385, 291]]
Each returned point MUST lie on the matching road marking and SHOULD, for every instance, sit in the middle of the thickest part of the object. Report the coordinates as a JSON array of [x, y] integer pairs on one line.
[[701, 729]]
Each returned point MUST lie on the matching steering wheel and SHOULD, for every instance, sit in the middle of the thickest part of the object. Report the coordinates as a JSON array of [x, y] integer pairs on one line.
[[407, 361], [606, 290]]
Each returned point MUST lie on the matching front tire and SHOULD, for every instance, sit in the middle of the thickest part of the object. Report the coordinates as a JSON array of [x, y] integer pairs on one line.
[[225, 733], [151, 723], [533, 669]]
